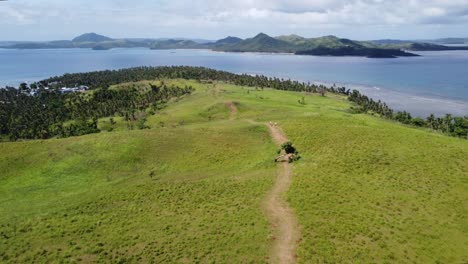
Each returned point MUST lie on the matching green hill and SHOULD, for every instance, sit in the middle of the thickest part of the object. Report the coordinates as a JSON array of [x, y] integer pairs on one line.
[[431, 47], [228, 41], [293, 38], [326, 41], [175, 44], [323, 46], [259, 43], [91, 37], [191, 188]]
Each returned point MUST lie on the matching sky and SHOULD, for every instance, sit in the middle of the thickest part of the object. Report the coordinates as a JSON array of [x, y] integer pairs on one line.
[[215, 19]]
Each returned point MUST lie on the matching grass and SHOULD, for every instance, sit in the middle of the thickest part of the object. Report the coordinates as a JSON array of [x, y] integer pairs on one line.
[[190, 188], [172, 194], [371, 191]]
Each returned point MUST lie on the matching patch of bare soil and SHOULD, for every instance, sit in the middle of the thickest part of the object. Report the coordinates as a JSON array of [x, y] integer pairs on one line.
[[232, 110]]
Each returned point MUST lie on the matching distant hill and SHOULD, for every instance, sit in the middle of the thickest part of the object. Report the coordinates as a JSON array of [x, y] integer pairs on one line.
[[415, 46], [320, 46], [450, 41], [293, 38], [176, 44], [389, 41], [260, 43], [360, 52], [228, 41], [326, 41], [91, 37], [432, 47], [59, 44]]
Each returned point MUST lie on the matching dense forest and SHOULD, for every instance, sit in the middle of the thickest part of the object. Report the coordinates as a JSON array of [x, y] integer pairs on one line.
[[50, 113], [46, 114]]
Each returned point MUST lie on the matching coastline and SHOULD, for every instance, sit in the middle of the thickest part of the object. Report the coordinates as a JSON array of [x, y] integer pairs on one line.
[[416, 104]]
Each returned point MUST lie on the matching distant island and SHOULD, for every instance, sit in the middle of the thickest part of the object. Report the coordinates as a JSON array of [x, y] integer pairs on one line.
[[294, 44]]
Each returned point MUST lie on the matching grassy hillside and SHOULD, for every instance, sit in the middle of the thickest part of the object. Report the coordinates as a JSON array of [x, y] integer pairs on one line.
[[172, 194], [259, 43], [368, 191], [323, 46], [190, 188], [326, 41]]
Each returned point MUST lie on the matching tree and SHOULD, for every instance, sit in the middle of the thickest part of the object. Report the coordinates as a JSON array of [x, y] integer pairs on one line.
[[448, 123], [23, 87], [431, 121], [419, 122]]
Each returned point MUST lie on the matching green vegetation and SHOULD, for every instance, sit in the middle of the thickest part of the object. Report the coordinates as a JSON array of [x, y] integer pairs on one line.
[[45, 114], [178, 193], [366, 190], [324, 46], [371, 191], [259, 43], [291, 154], [362, 52], [416, 46], [175, 44]]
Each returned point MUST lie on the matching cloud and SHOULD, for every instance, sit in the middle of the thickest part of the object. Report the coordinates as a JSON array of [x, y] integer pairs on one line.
[[9, 15], [214, 17]]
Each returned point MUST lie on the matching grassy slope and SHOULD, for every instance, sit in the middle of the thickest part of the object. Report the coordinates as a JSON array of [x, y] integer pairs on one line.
[[371, 191], [92, 197], [367, 190]]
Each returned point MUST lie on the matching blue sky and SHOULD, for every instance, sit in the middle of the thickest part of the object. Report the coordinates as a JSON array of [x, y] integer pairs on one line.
[[214, 19]]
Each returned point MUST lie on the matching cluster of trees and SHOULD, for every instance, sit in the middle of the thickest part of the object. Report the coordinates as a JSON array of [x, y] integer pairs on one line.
[[450, 125], [51, 113]]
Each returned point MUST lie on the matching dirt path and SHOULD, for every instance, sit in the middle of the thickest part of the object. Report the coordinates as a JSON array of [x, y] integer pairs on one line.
[[232, 110], [282, 218]]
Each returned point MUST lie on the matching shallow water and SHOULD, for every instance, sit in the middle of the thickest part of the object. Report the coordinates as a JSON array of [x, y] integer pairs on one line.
[[436, 82]]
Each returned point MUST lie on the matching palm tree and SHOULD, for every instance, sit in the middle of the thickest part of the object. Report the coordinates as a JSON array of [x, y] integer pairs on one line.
[[431, 120], [448, 122]]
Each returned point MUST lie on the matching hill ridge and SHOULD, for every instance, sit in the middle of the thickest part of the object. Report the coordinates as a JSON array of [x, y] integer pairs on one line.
[[91, 37]]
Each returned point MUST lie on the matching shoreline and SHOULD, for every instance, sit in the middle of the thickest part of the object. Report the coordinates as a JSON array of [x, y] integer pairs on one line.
[[416, 104]]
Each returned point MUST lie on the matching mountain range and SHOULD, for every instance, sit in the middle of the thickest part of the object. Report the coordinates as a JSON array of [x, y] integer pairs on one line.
[[321, 46]]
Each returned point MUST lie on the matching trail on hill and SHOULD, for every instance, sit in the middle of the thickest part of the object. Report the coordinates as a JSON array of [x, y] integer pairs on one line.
[[286, 233], [281, 216], [232, 110]]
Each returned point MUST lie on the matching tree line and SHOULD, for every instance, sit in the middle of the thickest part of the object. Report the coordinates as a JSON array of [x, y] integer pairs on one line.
[[50, 113], [449, 124]]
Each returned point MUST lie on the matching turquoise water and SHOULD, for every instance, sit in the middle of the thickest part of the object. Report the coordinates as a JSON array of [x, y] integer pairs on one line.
[[436, 82]]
